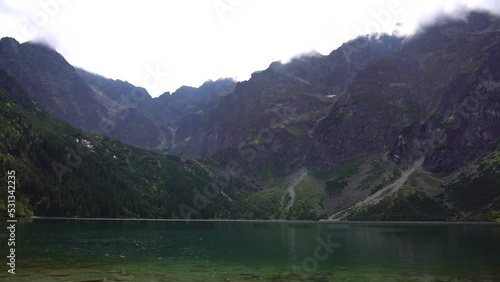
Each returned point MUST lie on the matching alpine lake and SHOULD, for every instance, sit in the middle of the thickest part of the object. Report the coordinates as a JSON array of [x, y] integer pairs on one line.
[[169, 250]]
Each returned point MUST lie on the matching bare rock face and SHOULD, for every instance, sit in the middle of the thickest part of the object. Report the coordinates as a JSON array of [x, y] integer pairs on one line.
[[278, 108], [367, 113], [437, 97], [51, 82], [85, 100], [181, 113]]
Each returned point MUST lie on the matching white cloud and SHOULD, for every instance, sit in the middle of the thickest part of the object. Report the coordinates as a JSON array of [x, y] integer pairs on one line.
[[192, 42]]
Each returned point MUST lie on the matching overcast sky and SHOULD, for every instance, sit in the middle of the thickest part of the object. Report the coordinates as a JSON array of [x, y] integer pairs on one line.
[[162, 45]]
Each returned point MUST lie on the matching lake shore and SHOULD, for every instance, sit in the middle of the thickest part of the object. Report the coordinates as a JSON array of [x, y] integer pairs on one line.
[[270, 221]]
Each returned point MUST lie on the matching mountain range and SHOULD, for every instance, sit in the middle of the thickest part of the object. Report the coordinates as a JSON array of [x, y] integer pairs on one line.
[[382, 128]]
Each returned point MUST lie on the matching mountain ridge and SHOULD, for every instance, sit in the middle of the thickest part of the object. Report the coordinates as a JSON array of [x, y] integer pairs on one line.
[[412, 119]]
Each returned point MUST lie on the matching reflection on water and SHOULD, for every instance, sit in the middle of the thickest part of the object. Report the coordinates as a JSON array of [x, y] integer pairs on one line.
[[293, 256], [79, 250]]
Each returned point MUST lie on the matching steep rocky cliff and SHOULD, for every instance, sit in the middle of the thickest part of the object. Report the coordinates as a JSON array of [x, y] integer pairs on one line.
[[383, 128], [85, 100]]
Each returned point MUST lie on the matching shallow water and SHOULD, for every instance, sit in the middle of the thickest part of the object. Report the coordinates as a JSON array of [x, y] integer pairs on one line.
[[124, 250]]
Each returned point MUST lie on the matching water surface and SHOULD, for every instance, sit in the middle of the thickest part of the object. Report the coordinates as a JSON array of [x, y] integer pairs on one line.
[[124, 250]]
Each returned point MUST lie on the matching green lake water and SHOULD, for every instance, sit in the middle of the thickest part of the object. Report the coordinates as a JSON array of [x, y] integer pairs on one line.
[[125, 250]]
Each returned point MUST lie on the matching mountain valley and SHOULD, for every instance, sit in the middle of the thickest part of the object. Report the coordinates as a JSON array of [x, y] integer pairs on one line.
[[384, 128]]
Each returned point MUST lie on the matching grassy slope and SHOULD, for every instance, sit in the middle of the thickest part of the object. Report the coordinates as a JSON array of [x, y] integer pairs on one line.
[[476, 194], [471, 194]]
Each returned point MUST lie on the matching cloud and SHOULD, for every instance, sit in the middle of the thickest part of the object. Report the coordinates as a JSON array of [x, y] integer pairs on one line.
[[456, 11], [123, 39], [48, 39]]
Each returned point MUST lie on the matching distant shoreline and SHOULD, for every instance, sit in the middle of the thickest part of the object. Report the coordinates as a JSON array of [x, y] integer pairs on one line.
[[274, 221]]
